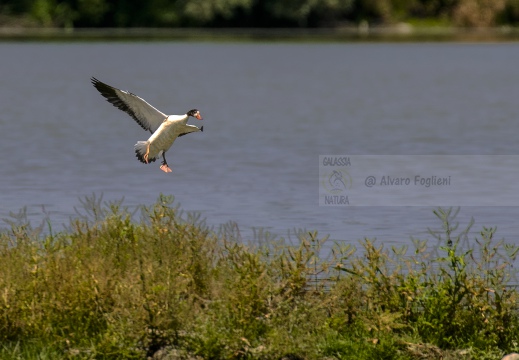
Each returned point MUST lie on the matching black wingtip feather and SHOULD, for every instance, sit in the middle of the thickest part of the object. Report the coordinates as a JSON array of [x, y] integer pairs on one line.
[[99, 85]]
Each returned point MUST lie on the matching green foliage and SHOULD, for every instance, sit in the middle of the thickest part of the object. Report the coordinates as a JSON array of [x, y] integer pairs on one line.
[[305, 13], [113, 287], [452, 301], [264, 13], [510, 13]]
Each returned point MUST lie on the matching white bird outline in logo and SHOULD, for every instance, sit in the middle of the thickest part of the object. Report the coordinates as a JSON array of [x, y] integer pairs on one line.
[[336, 181]]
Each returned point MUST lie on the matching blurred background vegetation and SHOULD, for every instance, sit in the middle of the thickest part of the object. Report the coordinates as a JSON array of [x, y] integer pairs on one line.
[[256, 13]]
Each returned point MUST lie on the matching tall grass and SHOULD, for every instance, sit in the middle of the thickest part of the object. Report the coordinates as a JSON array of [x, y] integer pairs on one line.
[[166, 286]]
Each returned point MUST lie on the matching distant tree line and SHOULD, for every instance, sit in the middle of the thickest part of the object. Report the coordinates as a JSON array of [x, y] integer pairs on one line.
[[258, 13]]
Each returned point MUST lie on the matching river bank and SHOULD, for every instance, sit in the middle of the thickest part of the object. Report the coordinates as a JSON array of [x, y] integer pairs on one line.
[[401, 32]]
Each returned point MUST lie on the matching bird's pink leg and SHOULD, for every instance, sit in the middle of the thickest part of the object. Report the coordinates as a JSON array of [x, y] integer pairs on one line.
[[145, 157], [165, 168]]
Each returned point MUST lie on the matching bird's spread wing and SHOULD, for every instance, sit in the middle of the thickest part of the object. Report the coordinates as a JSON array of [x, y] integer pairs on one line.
[[146, 115], [189, 129]]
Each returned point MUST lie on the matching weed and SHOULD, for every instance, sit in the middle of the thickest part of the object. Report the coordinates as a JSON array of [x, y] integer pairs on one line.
[[109, 286]]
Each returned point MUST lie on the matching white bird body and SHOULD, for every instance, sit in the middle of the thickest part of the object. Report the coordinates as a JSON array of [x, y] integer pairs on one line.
[[164, 129], [164, 137]]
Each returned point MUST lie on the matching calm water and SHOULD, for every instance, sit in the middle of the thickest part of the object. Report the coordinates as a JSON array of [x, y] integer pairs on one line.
[[269, 111]]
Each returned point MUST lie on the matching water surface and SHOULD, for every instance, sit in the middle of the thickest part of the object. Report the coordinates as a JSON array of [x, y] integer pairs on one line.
[[269, 111]]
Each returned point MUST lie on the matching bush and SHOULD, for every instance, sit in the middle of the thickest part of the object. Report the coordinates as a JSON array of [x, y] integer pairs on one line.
[[112, 287]]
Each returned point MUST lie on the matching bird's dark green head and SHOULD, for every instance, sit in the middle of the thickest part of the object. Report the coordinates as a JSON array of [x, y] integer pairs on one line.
[[194, 113]]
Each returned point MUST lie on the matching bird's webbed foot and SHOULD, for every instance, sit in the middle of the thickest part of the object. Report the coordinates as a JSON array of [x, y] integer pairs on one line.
[[164, 167]]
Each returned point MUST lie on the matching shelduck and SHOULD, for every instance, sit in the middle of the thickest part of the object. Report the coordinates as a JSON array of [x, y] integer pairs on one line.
[[164, 128]]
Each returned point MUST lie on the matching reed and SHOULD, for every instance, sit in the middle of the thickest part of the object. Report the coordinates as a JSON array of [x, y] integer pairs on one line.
[[167, 286]]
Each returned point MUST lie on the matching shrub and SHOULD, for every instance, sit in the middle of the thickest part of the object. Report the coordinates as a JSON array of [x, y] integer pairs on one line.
[[112, 287]]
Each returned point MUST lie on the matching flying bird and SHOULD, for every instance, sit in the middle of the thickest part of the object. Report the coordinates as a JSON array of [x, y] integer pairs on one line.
[[164, 128]]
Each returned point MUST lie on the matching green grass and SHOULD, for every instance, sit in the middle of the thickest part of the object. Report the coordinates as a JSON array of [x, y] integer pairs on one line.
[[111, 287]]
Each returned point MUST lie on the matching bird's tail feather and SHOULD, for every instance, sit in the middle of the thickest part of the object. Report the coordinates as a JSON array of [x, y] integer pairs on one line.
[[141, 150]]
